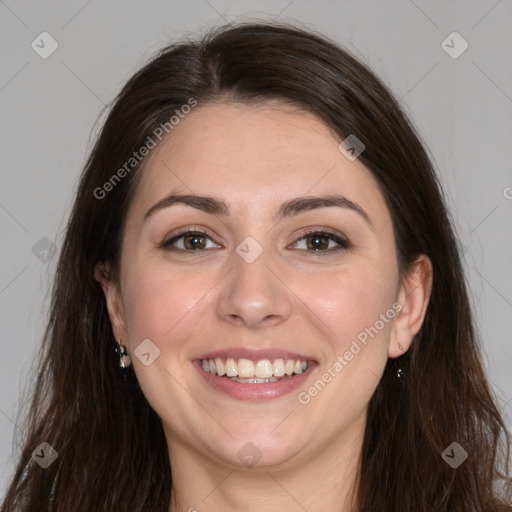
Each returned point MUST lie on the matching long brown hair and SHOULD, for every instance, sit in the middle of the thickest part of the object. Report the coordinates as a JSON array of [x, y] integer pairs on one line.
[[112, 453]]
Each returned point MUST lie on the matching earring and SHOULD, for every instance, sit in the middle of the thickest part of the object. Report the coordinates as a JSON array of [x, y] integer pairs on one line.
[[124, 360], [398, 372]]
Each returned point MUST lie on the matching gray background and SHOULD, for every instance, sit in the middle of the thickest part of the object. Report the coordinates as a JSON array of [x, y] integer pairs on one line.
[[50, 107]]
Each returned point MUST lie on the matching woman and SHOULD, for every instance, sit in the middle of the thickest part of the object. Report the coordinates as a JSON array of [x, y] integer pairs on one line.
[[260, 304]]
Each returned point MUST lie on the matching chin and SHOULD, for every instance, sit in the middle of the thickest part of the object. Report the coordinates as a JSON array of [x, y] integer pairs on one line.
[[258, 449]]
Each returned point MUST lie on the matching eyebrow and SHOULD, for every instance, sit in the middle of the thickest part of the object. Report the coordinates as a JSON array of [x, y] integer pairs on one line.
[[217, 206]]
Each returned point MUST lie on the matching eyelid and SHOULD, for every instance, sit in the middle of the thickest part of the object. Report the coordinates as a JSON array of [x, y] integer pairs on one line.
[[340, 239], [170, 239], [326, 231]]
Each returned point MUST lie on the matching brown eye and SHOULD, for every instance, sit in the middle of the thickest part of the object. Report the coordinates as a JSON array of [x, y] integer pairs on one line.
[[194, 242], [188, 241], [320, 241], [316, 242]]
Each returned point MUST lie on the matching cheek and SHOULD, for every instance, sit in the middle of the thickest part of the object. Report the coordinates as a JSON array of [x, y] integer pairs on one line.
[[159, 304], [351, 300], [356, 304], [357, 308], [165, 307]]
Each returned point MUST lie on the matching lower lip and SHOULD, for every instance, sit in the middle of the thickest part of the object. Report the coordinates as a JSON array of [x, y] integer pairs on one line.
[[262, 391]]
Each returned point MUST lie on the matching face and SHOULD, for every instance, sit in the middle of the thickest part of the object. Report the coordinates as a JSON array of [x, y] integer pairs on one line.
[[300, 301]]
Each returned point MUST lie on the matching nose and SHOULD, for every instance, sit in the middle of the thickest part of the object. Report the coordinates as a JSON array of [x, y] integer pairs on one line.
[[253, 295]]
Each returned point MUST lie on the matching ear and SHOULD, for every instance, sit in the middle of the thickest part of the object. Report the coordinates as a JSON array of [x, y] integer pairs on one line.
[[413, 296], [110, 287]]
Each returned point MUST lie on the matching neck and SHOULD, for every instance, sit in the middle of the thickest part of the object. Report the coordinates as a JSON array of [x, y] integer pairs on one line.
[[325, 481]]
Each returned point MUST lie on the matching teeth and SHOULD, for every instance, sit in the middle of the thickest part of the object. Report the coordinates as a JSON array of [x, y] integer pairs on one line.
[[255, 381], [278, 368], [263, 369], [231, 367], [245, 370], [220, 366]]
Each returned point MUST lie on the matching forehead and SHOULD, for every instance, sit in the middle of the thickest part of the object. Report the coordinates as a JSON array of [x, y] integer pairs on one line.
[[254, 155]]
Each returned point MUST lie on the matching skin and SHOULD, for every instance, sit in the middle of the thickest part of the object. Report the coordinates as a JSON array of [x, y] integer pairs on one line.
[[291, 297]]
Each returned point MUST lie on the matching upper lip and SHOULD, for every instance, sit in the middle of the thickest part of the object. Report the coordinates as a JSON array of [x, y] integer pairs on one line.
[[255, 355]]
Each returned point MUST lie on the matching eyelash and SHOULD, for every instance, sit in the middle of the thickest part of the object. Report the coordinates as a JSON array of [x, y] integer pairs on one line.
[[323, 233]]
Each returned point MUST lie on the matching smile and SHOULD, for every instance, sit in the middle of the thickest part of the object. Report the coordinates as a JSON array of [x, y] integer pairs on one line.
[[263, 374], [254, 372]]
